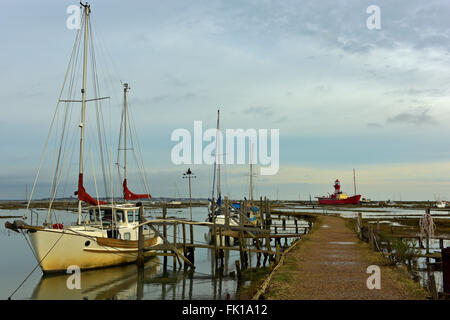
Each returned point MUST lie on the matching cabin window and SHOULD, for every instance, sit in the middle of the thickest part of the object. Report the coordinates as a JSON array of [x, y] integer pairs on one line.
[[91, 215], [131, 216], [119, 216], [107, 215], [126, 236], [94, 215]]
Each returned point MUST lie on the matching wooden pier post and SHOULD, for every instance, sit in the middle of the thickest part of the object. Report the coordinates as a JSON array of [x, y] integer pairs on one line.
[[164, 212], [238, 269], [359, 225], [175, 244], [241, 233], [261, 212], [371, 235], [277, 253], [227, 220], [296, 225], [184, 237], [258, 255], [140, 284], [269, 218], [446, 270], [214, 230], [140, 257], [432, 283]]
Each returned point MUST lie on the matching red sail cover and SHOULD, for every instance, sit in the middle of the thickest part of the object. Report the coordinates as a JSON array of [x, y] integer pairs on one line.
[[128, 195], [84, 196]]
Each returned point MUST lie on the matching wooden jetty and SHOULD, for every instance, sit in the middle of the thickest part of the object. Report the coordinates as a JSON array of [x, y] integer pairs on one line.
[[182, 248]]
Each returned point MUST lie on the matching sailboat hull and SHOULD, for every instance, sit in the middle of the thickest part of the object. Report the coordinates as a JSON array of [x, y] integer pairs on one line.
[[57, 249]]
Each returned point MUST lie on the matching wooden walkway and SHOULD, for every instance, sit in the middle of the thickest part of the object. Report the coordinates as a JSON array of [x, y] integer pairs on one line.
[[331, 265]]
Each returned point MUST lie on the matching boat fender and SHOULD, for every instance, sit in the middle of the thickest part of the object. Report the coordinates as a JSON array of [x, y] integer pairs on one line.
[[58, 226]]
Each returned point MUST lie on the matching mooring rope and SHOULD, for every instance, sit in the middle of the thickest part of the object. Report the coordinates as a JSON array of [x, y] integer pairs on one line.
[[39, 263], [427, 226]]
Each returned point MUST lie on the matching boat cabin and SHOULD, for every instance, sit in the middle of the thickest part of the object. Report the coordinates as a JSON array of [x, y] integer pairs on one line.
[[118, 214]]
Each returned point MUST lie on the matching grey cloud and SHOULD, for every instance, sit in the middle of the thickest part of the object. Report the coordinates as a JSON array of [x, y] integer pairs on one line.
[[417, 92], [417, 117], [374, 125], [261, 111]]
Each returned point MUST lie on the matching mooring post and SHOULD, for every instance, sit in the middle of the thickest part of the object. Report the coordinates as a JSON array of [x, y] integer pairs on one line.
[[419, 240], [296, 225], [432, 283], [164, 212], [284, 224], [359, 225], [446, 269], [241, 233], [214, 235], [140, 258], [371, 235], [238, 269], [258, 255], [277, 252], [140, 284], [261, 212], [184, 238], [175, 244], [268, 212], [227, 211], [227, 220]]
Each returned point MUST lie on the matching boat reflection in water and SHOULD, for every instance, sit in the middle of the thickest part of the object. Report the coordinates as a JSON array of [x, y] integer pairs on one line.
[[121, 282]]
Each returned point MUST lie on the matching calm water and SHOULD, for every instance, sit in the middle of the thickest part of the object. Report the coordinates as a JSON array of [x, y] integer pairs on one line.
[[156, 281]]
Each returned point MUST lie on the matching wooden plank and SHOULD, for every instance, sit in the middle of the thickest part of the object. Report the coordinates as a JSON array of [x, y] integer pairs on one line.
[[173, 248], [205, 224], [209, 246], [235, 234], [125, 244]]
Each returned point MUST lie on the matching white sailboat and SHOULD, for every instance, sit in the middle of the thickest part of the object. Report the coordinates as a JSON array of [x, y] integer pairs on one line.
[[219, 215], [105, 234]]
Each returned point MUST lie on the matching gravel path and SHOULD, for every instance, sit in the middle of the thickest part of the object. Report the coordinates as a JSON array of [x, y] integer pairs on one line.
[[331, 264]]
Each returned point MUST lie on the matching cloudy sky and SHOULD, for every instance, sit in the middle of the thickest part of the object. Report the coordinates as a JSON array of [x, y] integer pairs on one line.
[[342, 95]]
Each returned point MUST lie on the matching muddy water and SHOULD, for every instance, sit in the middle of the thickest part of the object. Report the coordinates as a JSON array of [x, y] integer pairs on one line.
[[159, 279]]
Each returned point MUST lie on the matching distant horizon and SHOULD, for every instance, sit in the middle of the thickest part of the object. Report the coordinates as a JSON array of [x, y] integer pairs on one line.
[[342, 93]]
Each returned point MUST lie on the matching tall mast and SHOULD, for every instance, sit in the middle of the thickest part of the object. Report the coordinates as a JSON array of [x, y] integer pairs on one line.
[[87, 11], [251, 175], [354, 180], [219, 191], [125, 111]]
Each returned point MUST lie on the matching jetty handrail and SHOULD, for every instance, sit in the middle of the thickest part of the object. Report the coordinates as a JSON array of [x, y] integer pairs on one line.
[[206, 224]]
